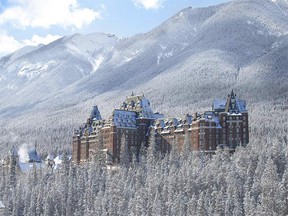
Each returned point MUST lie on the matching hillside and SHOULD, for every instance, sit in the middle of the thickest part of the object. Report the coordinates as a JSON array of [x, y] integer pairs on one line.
[[197, 55]]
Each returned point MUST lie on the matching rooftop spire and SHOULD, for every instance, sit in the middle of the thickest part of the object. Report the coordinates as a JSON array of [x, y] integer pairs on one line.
[[231, 104], [95, 114]]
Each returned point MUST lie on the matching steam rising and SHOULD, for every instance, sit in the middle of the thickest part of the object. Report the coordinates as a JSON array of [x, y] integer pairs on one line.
[[23, 153]]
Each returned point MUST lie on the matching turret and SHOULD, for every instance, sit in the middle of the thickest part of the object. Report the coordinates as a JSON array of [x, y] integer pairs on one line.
[[95, 114]]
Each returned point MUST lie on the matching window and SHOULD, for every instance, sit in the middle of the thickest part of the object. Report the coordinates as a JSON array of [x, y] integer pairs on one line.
[[201, 145]]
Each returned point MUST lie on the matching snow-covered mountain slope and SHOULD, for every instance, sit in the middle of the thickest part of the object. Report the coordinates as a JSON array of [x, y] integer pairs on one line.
[[195, 56], [39, 72]]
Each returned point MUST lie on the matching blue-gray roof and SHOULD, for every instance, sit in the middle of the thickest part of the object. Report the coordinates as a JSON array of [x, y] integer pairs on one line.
[[220, 104]]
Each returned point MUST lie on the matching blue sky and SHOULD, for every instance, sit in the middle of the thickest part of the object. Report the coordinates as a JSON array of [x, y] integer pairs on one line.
[[30, 22]]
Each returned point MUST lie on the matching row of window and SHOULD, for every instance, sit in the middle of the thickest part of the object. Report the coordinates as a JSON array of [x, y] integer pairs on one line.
[[234, 118]]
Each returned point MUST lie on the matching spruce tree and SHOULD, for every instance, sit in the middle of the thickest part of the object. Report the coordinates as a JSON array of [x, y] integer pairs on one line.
[[124, 153], [186, 150]]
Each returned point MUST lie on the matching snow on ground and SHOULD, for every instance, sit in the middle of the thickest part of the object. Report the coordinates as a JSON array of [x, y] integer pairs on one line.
[[26, 167]]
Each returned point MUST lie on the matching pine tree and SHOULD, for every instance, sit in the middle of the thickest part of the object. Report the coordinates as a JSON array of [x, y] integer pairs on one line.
[[192, 206], [269, 190], [124, 153], [174, 158], [186, 151], [201, 208], [99, 156], [152, 151], [283, 196]]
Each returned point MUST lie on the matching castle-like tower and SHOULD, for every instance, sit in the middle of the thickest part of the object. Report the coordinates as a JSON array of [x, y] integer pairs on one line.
[[226, 125], [131, 122]]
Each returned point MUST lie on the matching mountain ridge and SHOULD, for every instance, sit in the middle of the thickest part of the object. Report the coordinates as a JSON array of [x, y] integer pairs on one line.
[[195, 55]]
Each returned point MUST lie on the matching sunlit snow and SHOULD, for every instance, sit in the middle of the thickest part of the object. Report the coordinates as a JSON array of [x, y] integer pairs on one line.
[[32, 70]]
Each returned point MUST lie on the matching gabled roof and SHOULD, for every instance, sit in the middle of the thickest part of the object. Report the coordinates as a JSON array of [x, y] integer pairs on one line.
[[231, 104], [33, 156], [219, 105]]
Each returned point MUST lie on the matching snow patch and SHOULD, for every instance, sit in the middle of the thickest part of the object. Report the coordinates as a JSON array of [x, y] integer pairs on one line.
[[32, 70], [127, 59], [97, 62], [89, 44], [162, 55], [249, 22], [11, 86], [179, 16], [131, 55], [163, 47], [26, 167]]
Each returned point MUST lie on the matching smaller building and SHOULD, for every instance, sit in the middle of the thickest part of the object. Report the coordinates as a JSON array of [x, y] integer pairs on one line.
[[57, 162], [24, 161]]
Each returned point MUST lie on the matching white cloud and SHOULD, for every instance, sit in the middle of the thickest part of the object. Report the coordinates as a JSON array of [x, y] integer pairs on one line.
[[8, 44], [36, 39], [149, 4], [43, 13]]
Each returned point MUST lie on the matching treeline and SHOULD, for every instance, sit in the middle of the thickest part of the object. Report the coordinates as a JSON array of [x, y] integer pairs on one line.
[[252, 181]]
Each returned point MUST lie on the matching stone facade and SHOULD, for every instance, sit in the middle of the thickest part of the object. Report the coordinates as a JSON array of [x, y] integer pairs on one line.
[[226, 125]]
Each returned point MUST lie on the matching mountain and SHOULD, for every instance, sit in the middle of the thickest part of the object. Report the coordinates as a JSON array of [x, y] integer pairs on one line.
[[195, 56]]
